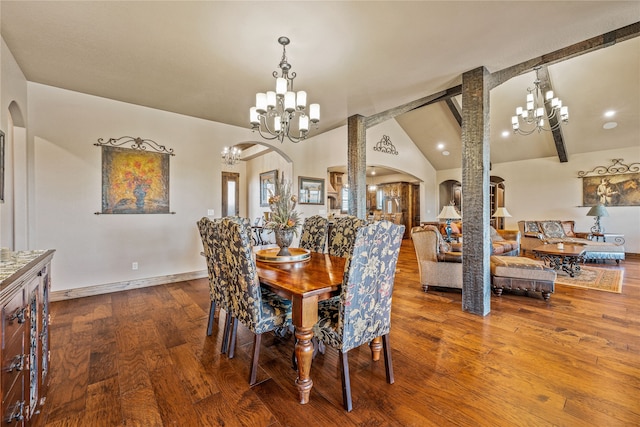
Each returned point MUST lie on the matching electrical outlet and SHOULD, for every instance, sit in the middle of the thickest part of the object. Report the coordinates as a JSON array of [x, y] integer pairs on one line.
[[210, 212], [134, 265]]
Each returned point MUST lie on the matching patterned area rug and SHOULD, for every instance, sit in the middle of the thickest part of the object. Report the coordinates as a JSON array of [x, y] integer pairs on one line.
[[600, 279]]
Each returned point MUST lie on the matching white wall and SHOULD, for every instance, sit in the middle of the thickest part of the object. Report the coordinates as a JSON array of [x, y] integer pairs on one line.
[[99, 249]]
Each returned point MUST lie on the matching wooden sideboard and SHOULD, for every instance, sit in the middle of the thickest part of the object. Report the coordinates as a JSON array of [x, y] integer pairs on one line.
[[25, 282]]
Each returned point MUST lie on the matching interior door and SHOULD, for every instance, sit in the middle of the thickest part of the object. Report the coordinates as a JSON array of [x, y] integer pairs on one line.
[[230, 194]]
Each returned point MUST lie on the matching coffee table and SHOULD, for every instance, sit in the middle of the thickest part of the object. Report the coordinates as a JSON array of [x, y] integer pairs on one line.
[[567, 259]]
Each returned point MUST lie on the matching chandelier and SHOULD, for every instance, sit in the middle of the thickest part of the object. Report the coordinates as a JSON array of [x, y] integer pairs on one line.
[[281, 112], [533, 115], [230, 156]]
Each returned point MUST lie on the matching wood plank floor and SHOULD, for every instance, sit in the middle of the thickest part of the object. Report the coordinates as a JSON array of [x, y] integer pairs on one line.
[[142, 358]]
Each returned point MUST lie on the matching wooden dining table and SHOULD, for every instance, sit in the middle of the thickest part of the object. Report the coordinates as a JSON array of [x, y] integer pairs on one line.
[[304, 283]]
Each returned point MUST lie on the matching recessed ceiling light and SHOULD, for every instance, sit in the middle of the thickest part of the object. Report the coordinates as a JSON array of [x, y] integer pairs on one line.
[[445, 153], [610, 125], [440, 146], [609, 113], [505, 133]]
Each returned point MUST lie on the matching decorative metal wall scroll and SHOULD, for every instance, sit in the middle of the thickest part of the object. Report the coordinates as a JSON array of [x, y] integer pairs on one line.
[[385, 146], [135, 179], [614, 185]]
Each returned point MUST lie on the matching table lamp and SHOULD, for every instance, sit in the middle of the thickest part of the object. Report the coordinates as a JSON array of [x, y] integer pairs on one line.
[[597, 211], [449, 213], [501, 213]]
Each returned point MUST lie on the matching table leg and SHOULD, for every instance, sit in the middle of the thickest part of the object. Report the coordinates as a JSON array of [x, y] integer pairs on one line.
[[376, 348], [304, 355], [305, 315]]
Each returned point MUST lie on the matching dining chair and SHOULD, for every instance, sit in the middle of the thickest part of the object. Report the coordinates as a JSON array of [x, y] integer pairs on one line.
[[257, 308], [343, 234], [213, 251], [314, 233], [363, 310]]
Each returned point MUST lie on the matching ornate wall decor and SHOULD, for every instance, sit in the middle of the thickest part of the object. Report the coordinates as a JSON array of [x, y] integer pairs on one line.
[[614, 185], [135, 179], [385, 146]]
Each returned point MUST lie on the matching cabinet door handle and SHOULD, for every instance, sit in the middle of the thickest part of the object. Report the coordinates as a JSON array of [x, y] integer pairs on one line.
[[17, 363], [16, 413], [18, 314]]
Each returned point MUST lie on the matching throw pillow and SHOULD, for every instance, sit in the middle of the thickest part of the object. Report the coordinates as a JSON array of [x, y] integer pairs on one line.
[[495, 236], [531, 227], [552, 229], [567, 226]]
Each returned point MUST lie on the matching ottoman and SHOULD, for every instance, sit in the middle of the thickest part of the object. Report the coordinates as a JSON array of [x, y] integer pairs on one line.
[[594, 251], [521, 273]]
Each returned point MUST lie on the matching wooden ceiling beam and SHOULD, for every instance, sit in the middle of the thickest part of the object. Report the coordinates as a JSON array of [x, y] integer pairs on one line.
[[577, 49], [455, 110], [558, 138], [419, 103]]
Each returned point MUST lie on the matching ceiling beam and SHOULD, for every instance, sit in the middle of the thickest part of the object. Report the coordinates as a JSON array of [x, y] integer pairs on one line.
[[586, 46], [455, 110], [419, 103], [558, 138]]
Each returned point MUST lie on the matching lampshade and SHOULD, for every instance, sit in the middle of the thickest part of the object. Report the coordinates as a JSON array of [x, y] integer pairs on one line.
[[449, 212], [501, 213], [598, 210]]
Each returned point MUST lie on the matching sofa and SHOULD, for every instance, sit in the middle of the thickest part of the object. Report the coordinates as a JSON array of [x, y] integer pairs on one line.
[[503, 242], [539, 232]]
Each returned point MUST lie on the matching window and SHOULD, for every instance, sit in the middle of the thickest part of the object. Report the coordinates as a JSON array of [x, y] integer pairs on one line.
[[345, 200]]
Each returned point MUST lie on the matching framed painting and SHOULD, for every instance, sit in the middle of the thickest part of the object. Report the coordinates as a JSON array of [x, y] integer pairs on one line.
[[2, 149], [134, 181], [611, 190], [267, 186], [310, 191]]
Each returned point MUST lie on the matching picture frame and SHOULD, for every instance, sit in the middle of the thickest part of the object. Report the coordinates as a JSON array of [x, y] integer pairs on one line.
[[310, 191], [2, 154], [267, 185], [134, 181], [611, 190]]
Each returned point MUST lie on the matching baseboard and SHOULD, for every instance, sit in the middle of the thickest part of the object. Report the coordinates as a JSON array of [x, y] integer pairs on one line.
[[124, 286]]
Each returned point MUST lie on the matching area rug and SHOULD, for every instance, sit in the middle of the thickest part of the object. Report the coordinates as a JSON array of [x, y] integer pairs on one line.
[[601, 279]]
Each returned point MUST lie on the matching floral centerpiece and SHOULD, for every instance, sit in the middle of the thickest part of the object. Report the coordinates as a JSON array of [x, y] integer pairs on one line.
[[284, 220]]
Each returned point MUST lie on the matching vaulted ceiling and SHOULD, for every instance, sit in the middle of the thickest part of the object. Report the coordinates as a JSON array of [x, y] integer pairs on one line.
[[208, 59]]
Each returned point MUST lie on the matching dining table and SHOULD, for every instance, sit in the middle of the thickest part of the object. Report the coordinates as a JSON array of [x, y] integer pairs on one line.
[[304, 283]]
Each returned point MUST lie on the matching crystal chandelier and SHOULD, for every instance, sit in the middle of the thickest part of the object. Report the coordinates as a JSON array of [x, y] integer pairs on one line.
[[230, 156], [281, 112], [533, 115]]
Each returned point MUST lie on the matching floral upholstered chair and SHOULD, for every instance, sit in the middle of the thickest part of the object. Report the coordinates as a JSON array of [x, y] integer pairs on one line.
[[258, 309], [212, 245], [342, 235], [314, 233], [363, 310]]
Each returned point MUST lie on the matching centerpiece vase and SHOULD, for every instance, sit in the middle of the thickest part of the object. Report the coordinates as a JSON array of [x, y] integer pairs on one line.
[[284, 237]]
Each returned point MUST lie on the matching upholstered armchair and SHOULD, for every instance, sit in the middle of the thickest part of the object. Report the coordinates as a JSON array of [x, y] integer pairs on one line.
[[363, 310], [343, 234], [314, 233], [438, 266], [258, 309]]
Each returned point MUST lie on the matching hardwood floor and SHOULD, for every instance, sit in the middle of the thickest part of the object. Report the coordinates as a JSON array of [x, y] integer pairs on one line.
[[142, 358]]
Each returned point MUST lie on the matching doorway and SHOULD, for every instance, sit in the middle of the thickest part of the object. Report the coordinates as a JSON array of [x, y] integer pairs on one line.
[[230, 194]]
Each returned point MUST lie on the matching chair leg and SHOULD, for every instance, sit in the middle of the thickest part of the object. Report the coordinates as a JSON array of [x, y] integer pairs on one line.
[[254, 359], [225, 334], [346, 382], [388, 363], [232, 343], [212, 314]]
